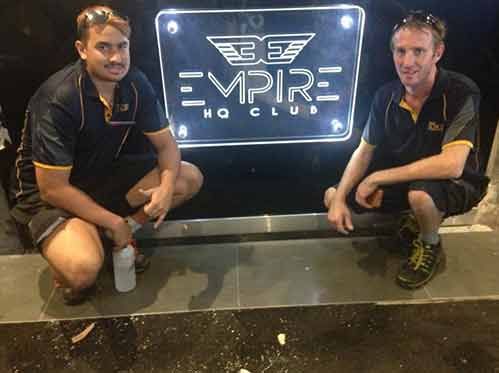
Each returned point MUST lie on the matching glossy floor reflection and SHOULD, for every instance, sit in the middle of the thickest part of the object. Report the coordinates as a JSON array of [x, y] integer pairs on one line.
[[257, 275]]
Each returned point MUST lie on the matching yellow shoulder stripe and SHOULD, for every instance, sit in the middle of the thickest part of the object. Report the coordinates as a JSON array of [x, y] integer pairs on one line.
[[157, 132], [51, 167], [362, 140], [459, 142]]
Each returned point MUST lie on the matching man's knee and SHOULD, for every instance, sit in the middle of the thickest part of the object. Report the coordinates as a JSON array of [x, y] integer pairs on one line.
[[75, 251], [190, 180], [420, 200], [82, 273]]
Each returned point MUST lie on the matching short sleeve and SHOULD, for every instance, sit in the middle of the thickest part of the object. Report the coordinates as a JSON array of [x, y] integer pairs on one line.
[[54, 134], [374, 130], [464, 122], [151, 117]]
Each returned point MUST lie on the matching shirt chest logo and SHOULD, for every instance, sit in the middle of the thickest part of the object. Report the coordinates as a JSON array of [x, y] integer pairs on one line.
[[122, 107], [435, 127]]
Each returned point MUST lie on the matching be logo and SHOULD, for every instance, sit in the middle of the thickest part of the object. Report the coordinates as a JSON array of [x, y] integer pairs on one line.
[[277, 49], [260, 76]]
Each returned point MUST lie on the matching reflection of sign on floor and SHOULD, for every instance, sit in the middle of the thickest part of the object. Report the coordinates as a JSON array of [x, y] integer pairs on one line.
[[237, 77]]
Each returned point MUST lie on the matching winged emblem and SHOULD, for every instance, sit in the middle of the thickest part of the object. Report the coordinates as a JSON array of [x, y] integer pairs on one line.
[[252, 49]]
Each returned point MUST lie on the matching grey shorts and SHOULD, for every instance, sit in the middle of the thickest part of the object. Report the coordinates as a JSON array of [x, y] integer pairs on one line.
[[108, 190], [451, 197]]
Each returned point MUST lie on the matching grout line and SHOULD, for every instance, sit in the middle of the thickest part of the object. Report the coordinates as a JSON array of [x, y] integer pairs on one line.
[[238, 288], [46, 305], [427, 291], [275, 306]]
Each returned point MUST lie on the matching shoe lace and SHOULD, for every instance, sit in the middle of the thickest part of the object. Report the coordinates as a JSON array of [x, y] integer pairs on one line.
[[422, 256], [408, 222]]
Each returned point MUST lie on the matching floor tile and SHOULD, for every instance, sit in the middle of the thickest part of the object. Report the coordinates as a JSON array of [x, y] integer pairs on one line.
[[256, 274], [24, 287], [310, 272], [472, 266], [183, 278]]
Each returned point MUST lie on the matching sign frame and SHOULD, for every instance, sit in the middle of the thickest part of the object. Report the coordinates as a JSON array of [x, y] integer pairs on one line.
[[353, 97]]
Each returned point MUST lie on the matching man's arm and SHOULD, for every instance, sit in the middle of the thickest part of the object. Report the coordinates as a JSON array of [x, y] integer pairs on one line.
[[152, 122], [56, 190], [339, 214], [355, 170], [449, 164], [160, 198]]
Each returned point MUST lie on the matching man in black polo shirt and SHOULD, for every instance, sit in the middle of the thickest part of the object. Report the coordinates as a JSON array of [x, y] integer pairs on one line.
[[419, 149], [83, 167]]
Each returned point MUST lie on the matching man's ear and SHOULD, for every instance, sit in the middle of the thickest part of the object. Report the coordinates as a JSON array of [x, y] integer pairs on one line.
[[439, 51], [81, 48]]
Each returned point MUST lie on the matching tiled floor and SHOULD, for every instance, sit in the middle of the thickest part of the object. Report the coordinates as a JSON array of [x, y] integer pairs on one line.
[[254, 275]]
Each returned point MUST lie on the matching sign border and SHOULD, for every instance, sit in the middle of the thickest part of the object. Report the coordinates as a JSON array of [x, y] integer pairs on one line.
[[353, 98]]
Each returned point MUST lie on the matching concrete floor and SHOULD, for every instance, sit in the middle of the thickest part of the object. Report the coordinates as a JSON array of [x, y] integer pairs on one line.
[[257, 275]]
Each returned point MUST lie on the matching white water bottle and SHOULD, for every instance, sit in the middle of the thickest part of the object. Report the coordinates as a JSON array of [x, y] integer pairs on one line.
[[124, 269]]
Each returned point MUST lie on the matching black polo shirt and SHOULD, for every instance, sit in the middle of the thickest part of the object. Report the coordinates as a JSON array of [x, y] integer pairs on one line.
[[449, 116], [69, 127]]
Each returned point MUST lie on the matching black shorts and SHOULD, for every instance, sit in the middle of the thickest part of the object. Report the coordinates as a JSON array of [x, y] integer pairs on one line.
[[107, 190], [451, 197]]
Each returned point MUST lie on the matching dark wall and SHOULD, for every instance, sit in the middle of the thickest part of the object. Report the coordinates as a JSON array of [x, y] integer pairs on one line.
[[36, 39]]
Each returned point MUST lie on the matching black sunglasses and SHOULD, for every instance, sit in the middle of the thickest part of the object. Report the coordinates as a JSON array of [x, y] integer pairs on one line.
[[417, 16]]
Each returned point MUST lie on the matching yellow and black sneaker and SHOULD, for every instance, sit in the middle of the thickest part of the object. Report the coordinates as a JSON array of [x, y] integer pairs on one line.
[[421, 266], [407, 232]]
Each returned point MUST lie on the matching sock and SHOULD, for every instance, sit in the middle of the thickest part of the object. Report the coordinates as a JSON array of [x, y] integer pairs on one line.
[[431, 238], [134, 226]]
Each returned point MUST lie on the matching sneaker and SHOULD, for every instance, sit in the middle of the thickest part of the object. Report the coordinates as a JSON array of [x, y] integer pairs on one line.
[[142, 262], [421, 266], [407, 232], [72, 297]]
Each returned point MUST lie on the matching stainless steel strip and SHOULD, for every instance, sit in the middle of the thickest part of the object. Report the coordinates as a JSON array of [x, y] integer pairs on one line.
[[267, 224]]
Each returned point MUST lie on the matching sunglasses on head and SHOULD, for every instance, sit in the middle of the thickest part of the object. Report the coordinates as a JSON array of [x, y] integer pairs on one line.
[[417, 16], [98, 17]]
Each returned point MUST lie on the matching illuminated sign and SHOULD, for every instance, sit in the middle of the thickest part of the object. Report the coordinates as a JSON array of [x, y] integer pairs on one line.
[[260, 76]]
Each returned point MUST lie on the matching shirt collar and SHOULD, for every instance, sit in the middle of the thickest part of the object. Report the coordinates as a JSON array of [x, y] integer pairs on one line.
[[88, 85], [438, 88]]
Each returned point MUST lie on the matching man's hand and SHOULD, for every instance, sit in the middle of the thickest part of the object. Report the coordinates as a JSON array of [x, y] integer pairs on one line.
[[120, 233], [159, 203], [338, 215], [368, 194]]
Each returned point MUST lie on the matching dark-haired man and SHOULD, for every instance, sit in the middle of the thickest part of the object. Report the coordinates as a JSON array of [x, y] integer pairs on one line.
[[80, 169], [421, 144]]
